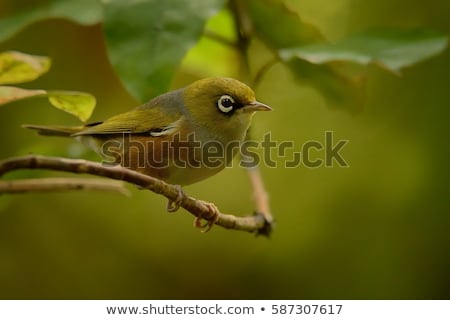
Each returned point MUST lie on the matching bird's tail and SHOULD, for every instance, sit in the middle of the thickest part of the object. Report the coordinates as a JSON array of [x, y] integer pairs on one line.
[[58, 131]]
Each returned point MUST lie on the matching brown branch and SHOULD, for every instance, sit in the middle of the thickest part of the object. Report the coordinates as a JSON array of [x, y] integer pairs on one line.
[[260, 195], [256, 223], [62, 184]]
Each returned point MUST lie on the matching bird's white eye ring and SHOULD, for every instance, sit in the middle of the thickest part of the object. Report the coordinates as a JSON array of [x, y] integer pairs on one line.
[[225, 103]]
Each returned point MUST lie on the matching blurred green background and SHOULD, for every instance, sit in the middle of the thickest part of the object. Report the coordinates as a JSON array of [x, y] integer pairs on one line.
[[376, 230]]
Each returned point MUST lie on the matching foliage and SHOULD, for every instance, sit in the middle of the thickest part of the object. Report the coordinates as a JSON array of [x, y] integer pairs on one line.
[[391, 49], [148, 39], [147, 52], [81, 11], [17, 67]]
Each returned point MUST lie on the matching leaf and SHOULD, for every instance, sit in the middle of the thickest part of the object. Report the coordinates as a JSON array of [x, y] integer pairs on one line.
[[84, 12], [147, 39], [338, 85], [79, 104], [278, 26], [10, 94], [330, 68], [17, 67], [391, 49]]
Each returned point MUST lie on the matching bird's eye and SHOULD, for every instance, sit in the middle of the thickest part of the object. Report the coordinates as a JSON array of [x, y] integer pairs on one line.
[[225, 103]]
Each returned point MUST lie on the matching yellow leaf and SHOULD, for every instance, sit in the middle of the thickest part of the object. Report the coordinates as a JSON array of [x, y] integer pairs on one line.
[[79, 104], [18, 67]]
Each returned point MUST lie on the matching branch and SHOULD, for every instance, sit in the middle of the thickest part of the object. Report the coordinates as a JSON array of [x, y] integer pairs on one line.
[[260, 195], [62, 184], [219, 38], [256, 223], [263, 70], [245, 32]]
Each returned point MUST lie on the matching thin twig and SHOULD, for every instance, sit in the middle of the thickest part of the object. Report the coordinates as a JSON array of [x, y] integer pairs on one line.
[[260, 195], [244, 32], [256, 223], [263, 70], [62, 184], [219, 38]]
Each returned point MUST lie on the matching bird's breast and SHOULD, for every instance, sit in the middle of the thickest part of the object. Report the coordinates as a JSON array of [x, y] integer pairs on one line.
[[183, 157]]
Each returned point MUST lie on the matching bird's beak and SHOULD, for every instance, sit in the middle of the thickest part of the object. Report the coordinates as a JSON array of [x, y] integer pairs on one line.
[[256, 106]]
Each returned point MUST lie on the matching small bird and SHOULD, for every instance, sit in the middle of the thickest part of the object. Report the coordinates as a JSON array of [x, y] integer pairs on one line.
[[181, 137]]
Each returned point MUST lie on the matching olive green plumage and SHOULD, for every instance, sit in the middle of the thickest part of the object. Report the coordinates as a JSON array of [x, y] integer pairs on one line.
[[213, 109]]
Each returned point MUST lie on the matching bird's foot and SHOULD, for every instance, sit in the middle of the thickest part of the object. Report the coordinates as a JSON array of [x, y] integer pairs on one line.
[[213, 213], [174, 205]]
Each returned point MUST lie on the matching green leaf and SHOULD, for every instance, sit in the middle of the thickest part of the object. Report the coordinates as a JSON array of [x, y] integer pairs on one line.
[[341, 88], [330, 68], [79, 104], [148, 39], [17, 67], [278, 26], [391, 49], [341, 85], [84, 12]]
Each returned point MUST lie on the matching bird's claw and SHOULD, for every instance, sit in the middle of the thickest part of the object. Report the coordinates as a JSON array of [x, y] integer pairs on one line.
[[174, 205], [214, 214]]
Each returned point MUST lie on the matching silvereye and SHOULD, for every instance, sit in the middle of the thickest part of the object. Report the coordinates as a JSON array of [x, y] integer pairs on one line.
[[168, 136]]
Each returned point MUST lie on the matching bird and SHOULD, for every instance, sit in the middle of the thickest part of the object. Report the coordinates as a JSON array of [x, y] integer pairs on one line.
[[181, 137]]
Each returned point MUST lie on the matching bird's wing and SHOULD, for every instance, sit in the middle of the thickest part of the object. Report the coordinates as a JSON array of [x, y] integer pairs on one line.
[[150, 120]]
